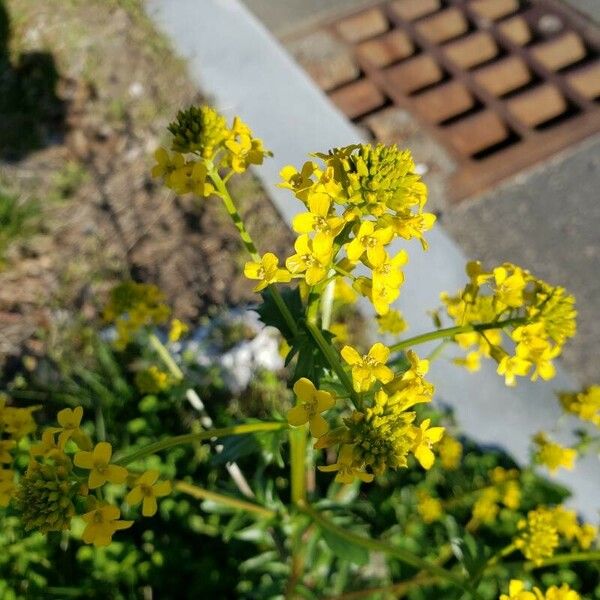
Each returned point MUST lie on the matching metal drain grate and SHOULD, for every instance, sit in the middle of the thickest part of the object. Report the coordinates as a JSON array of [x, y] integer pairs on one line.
[[501, 84]]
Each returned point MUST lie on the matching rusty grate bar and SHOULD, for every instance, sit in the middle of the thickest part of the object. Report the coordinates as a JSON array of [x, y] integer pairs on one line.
[[501, 84]]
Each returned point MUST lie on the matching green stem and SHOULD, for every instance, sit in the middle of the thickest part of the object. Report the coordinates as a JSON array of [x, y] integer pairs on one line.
[[376, 546], [333, 360], [234, 214], [165, 356], [189, 438], [283, 309], [449, 332], [564, 558], [202, 494], [298, 464]]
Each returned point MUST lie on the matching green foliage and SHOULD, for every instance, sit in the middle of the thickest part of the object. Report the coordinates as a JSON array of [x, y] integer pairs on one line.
[[18, 217]]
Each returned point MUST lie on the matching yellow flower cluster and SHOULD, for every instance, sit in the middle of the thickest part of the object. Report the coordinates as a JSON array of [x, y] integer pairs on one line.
[[132, 306], [379, 436], [450, 451], [15, 423], [553, 455], [517, 591], [52, 490], [152, 380], [202, 142], [357, 201], [537, 317], [430, 509], [541, 532], [584, 404], [504, 490]]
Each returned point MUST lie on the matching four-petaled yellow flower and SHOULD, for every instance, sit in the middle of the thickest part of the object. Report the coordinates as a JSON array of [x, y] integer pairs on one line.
[[509, 286], [147, 489], [370, 240], [166, 164], [318, 219], [98, 462], [267, 271], [70, 428], [312, 257], [425, 437], [191, 179], [517, 591], [511, 366], [311, 402], [369, 368], [553, 455], [102, 523], [346, 470]]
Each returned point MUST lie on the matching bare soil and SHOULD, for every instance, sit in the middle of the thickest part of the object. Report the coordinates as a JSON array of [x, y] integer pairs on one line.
[[103, 218]]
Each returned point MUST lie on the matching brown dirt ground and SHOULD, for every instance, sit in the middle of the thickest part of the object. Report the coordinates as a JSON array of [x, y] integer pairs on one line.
[[103, 217]]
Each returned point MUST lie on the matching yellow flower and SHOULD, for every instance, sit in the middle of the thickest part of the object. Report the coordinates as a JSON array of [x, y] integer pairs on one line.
[[312, 257], [343, 293], [18, 422], [564, 592], [510, 283], [516, 591], [450, 451], [485, 509], [267, 271], [511, 366], [311, 402], [98, 462], [369, 368], [538, 537], [70, 428], [471, 362], [5, 447], [370, 240], [178, 328], [407, 225], [553, 455], [388, 271], [102, 523], [191, 179], [347, 471], [7, 486], [318, 219], [166, 164], [340, 331], [152, 380], [585, 404], [429, 508], [425, 437], [244, 149], [48, 446], [147, 489], [392, 322]]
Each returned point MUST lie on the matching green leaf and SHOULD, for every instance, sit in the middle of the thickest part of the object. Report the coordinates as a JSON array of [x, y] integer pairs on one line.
[[270, 314], [344, 549]]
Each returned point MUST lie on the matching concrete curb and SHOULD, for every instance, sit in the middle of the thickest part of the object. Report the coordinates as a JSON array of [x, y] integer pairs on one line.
[[233, 57]]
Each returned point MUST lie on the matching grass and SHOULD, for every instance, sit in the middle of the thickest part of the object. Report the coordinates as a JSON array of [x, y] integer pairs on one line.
[[18, 218]]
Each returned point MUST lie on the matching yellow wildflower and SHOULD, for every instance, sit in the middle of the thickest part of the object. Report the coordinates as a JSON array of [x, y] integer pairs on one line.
[[345, 467], [585, 404], [553, 455], [517, 591], [313, 257], [177, 329], [244, 149], [318, 218], [102, 523], [485, 509], [199, 129], [450, 451], [343, 292], [564, 592], [370, 240], [429, 508], [311, 402], [5, 447], [98, 462], [152, 380], [191, 179], [538, 537], [510, 283], [425, 437], [147, 489], [369, 368], [7, 486], [18, 422], [392, 322], [471, 362], [70, 428], [267, 271], [167, 164], [511, 366], [48, 446]]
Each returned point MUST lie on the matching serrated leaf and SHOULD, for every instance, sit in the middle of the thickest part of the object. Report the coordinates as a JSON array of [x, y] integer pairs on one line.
[[344, 549]]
